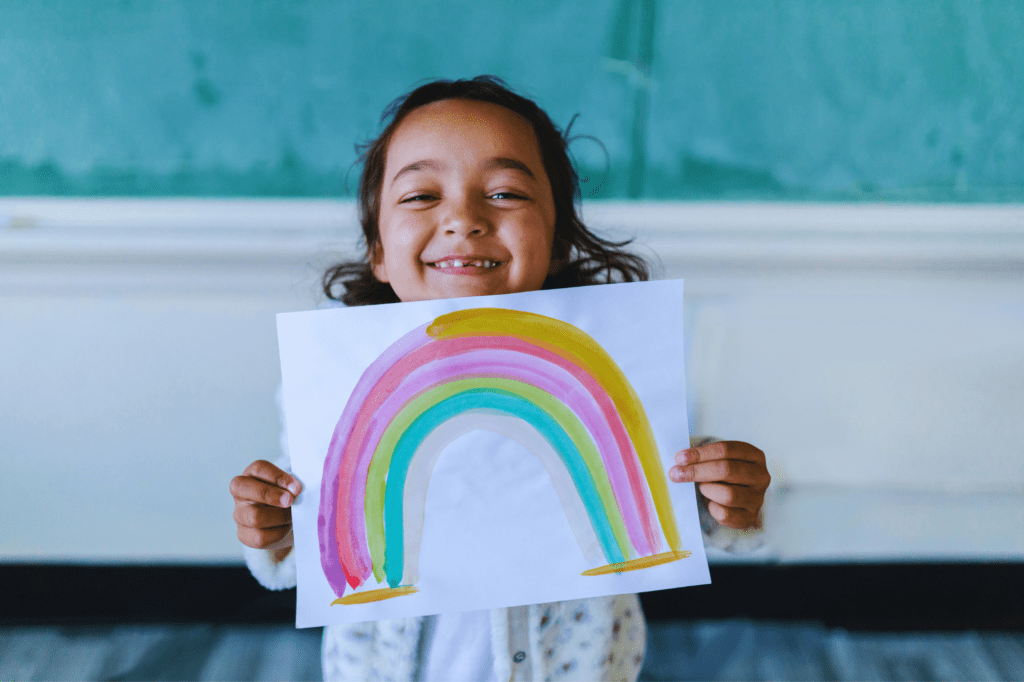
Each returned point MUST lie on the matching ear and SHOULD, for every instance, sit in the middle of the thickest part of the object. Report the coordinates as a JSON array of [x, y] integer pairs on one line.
[[377, 263]]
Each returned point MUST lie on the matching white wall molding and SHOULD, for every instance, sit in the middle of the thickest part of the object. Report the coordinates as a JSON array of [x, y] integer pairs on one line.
[[866, 381], [228, 243], [777, 236], [196, 245]]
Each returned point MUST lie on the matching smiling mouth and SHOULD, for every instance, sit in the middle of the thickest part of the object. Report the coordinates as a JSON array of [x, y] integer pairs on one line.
[[465, 263]]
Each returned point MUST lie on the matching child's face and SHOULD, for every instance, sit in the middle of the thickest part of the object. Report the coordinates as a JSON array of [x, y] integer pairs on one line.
[[466, 208]]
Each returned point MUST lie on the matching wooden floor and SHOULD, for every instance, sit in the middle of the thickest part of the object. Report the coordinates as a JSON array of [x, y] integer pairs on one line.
[[711, 650], [160, 652], [744, 650]]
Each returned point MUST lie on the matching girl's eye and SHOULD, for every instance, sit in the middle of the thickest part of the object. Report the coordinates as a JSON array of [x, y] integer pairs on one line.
[[507, 195], [418, 197]]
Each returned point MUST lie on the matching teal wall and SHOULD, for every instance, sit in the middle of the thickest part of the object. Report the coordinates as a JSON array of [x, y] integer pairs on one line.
[[905, 100]]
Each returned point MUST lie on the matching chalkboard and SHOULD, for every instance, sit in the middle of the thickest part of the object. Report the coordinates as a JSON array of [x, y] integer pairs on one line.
[[785, 100]]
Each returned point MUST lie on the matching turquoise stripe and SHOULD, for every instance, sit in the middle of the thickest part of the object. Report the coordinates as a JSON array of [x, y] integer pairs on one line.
[[500, 401]]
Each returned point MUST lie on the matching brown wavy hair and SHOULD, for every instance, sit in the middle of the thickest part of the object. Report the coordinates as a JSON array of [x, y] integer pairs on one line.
[[581, 257]]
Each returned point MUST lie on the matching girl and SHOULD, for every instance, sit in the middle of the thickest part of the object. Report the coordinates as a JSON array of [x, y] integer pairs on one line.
[[469, 191]]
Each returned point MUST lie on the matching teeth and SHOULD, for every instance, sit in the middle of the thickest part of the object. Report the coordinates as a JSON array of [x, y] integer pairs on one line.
[[487, 264]]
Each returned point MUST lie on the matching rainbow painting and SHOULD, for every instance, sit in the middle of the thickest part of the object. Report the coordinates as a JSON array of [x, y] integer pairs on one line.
[[537, 380]]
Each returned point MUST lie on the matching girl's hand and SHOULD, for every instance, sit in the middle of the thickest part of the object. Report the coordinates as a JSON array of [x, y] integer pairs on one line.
[[263, 497], [731, 475]]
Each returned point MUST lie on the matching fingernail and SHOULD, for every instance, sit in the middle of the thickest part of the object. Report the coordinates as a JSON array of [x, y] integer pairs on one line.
[[286, 500], [685, 474], [689, 456], [678, 474], [294, 487]]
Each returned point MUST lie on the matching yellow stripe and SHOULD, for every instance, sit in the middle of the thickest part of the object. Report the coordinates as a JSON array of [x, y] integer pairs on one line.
[[375, 595], [637, 564]]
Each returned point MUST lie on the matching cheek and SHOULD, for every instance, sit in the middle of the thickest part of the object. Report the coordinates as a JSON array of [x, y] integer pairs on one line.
[[399, 239]]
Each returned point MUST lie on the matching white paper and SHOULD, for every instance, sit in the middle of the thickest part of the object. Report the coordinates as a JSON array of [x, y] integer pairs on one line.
[[501, 522]]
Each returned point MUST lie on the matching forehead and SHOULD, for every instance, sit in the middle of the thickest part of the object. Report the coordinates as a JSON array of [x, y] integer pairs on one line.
[[463, 129]]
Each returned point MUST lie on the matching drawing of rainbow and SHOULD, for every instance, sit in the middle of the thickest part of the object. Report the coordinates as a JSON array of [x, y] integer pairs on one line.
[[537, 380]]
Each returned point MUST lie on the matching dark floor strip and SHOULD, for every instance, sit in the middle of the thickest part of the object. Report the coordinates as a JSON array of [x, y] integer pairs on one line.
[[853, 596]]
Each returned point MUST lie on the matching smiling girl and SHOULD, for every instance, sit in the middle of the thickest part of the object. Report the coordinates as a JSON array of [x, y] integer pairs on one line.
[[469, 191]]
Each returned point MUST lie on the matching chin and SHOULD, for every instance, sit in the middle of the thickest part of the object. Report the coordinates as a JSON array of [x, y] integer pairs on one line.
[[473, 291]]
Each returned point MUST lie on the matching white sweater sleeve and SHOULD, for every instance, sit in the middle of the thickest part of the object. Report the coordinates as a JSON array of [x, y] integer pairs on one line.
[[274, 575]]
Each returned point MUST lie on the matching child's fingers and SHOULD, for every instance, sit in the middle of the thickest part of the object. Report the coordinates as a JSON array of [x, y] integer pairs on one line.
[[732, 476], [265, 471], [249, 489], [733, 517], [723, 449], [254, 515], [734, 472], [733, 496], [263, 538]]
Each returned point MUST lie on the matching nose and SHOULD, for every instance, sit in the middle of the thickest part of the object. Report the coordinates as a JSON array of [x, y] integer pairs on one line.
[[465, 218]]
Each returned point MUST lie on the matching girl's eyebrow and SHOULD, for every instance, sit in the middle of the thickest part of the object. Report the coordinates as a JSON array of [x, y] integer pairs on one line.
[[505, 163], [496, 163], [424, 164]]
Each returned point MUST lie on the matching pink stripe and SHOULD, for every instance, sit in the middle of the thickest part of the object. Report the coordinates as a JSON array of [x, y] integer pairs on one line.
[[337, 536], [444, 348]]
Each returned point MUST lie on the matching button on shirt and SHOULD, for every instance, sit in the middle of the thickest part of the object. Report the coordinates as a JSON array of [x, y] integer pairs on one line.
[[459, 646], [519, 643]]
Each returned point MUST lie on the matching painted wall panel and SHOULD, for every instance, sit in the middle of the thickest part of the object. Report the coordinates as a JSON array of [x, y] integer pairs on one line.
[[877, 100]]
